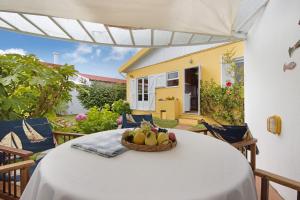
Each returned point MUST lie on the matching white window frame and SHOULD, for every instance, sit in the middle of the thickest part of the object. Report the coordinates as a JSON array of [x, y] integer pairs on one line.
[[171, 79], [237, 59], [143, 89]]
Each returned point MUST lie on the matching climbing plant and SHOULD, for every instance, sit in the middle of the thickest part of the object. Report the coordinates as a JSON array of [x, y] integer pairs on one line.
[[225, 104]]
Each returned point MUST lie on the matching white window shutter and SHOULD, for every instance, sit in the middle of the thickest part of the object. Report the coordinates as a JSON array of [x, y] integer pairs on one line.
[[133, 95], [161, 80], [151, 91]]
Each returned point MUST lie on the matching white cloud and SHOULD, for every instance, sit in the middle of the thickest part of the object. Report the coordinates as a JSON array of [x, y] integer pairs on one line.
[[98, 52], [119, 53], [78, 55], [13, 51], [82, 53]]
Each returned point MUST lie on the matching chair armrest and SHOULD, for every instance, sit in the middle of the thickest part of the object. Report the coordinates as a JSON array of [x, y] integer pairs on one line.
[[62, 137], [19, 152], [244, 143], [58, 133], [15, 166], [199, 130], [252, 144]]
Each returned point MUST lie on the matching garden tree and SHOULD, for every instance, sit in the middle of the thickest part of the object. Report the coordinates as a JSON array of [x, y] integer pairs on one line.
[[99, 94], [29, 88], [225, 104]]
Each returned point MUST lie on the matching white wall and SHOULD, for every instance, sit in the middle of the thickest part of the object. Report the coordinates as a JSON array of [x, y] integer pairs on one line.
[[269, 90], [74, 106]]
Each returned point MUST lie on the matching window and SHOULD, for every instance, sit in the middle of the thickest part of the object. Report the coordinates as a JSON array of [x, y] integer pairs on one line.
[[239, 71], [232, 75], [140, 89], [172, 79], [143, 89]]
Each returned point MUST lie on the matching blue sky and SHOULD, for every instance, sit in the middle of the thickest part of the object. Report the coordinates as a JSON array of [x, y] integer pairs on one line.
[[87, 58]]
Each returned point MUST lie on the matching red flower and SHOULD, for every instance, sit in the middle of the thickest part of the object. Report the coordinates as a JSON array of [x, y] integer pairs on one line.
[[228, 84]]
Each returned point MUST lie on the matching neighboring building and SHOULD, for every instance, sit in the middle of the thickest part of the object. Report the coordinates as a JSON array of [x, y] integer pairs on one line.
[[154, 75], [74, 106], [102, 79]]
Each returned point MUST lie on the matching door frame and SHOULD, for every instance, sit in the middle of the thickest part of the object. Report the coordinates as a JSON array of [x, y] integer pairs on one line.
[[199, 85]]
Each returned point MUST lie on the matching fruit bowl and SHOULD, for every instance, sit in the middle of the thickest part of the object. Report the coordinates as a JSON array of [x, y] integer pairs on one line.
[[148, 140]]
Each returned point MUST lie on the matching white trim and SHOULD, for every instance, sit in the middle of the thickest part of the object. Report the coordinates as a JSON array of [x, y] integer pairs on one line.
[[199, 85], [183, 91], [221, 70], [171, 79]]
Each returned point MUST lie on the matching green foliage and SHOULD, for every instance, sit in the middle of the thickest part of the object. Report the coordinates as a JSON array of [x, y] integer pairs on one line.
[[225, 104], [98, 120], [100, 94], [29, 88], [121, 107]]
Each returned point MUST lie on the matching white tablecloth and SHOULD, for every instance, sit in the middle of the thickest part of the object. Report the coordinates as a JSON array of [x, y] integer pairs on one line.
[[200, 167]]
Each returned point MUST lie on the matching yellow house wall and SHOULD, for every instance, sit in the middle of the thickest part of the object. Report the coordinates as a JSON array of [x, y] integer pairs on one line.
[[209, 60]]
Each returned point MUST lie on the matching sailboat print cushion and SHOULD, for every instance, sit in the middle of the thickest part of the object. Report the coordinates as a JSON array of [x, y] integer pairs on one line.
[[36, 134], [11, 140]]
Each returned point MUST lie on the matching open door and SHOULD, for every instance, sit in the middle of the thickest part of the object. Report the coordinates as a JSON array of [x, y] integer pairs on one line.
[[192, 90]]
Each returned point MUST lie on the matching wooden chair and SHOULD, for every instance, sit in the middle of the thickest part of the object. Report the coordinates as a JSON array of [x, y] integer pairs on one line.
[[15, 164], [244, 147], [266, 177], [136, 120]]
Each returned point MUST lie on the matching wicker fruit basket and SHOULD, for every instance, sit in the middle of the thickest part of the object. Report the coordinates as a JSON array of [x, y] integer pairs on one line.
[[146, 148]]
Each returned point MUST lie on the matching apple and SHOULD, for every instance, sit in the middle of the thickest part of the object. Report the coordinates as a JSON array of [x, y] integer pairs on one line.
[[172, 137], [154, 130]]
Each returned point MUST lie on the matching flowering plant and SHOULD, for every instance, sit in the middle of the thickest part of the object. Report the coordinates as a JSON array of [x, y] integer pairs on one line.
[[225, 104], [80, 117], [228, 84]]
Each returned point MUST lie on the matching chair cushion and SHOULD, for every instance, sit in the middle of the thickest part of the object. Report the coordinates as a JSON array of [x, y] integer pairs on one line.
[[35, 134], [34, 143], [137, 119]]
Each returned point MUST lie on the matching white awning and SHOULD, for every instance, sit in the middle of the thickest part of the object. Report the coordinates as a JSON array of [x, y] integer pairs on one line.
[[133, 23]]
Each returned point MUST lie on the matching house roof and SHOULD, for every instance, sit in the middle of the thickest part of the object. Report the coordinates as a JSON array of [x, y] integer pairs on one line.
[[92, 77], [51, 65], [134, 58], [103, 78], [147, 57]]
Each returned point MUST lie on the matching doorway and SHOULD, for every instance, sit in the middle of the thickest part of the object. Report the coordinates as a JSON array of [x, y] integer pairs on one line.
[[191, 90]]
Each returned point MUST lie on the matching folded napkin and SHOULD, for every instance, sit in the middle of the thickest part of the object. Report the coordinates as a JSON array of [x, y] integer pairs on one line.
[[105, 144]]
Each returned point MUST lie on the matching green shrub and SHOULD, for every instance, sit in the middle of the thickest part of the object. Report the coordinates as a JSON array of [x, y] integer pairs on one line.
[[29, 88], [100, 94], [121, 107], [223, 104], [98, 120]]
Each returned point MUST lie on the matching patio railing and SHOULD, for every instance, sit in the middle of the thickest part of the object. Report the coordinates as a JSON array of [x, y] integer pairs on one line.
[[266, 177]]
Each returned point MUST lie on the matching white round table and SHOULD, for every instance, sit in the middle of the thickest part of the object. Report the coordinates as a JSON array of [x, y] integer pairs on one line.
[[200, 167]]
